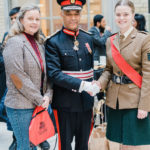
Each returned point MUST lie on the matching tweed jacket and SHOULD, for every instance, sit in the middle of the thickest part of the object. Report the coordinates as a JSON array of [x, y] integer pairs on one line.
[[23, 74], [136, 51]]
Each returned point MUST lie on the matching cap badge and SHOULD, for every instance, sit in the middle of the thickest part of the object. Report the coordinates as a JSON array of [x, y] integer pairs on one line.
[[72, 1]]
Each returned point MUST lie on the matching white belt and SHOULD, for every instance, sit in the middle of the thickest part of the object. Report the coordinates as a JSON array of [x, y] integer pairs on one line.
[[80, 74]]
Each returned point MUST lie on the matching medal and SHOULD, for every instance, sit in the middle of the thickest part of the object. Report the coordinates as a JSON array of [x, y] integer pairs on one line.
[[76, 45]]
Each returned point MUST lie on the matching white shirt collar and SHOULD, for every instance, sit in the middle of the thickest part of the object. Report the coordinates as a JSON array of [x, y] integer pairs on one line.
[[128, 32]]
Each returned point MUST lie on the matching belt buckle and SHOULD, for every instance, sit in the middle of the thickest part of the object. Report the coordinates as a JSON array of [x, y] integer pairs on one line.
[[118, 80]]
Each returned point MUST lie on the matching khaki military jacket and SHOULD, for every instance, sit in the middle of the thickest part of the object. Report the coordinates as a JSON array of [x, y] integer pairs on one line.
[[136, 51]]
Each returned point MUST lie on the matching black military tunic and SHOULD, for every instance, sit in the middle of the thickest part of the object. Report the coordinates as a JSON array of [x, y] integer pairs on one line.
[[69, 59], [61, 56]]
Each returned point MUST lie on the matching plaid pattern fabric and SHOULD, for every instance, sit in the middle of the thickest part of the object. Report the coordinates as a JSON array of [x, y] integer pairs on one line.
[[22, 62]]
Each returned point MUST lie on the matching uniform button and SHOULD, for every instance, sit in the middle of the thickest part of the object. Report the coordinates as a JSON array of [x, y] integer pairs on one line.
[[65, 53], [74, 90], [80, 59]]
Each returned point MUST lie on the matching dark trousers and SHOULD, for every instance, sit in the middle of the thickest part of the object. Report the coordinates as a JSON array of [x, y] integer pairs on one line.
[[72, 124]]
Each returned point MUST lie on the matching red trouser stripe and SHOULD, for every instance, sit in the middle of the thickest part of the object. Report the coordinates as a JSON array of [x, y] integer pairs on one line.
[[92, 125], [57, 125]]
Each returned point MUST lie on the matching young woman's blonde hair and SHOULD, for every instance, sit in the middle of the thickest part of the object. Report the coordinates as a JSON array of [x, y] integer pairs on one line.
[[18, 27], [126, 3]]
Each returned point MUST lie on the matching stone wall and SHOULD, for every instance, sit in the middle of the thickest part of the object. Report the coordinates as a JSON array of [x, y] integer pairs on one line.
[[5, 6], [15, 3], [141, 6], [2, 19]]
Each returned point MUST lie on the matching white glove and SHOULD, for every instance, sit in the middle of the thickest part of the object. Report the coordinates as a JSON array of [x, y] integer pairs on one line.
[[89, 88], [95, 89], [84, 86]]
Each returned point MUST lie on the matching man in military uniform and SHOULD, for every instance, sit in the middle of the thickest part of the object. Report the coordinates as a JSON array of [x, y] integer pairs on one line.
[[69, 58]]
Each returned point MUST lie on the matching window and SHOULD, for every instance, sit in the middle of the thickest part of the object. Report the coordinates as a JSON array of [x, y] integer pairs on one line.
[[51, 20]]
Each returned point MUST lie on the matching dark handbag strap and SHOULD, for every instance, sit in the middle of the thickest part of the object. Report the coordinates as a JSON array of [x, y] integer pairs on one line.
[[38, 113], [124, 66]]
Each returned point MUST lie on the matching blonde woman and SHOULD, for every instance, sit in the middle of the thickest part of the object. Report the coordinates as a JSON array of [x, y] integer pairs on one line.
[[26, 73], [127, 79]]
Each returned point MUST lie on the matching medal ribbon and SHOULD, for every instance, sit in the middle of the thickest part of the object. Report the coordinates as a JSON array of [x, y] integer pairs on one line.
[[75, 34]]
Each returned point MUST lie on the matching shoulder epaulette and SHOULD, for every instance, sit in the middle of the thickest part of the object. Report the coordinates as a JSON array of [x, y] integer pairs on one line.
[[85, 31], [144, 32], [50, 36]]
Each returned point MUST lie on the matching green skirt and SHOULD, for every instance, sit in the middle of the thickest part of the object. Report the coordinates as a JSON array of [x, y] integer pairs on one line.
[[124, 127]]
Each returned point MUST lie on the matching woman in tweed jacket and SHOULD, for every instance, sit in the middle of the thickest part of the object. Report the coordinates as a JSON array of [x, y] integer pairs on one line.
[[26, 73]]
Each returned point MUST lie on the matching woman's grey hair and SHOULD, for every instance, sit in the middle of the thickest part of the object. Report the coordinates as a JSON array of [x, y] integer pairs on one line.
[[18, 27]]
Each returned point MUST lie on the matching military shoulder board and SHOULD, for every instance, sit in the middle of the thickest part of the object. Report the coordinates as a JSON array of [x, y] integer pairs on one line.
[[144, 32], [85, 31], [50, 36]]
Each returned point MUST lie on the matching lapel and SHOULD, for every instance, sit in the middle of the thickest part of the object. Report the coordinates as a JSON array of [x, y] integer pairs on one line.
[[29, 47], [97, 30], [42, 52], [116, 41], [129, 39]]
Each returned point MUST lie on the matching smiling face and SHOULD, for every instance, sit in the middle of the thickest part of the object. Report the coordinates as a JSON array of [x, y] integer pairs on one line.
[[31, 21], [124, 17], [71, 19]]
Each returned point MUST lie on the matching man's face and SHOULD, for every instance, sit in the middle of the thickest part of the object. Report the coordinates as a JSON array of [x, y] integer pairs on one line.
[[71, 19], [103, 23], [13, 18]]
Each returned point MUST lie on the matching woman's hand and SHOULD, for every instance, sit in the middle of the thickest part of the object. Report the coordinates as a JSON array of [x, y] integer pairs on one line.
[[142, 114], [46, 102]]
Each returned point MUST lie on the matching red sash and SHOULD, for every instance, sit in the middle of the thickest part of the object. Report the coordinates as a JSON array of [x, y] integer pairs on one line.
[[124, 66]]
